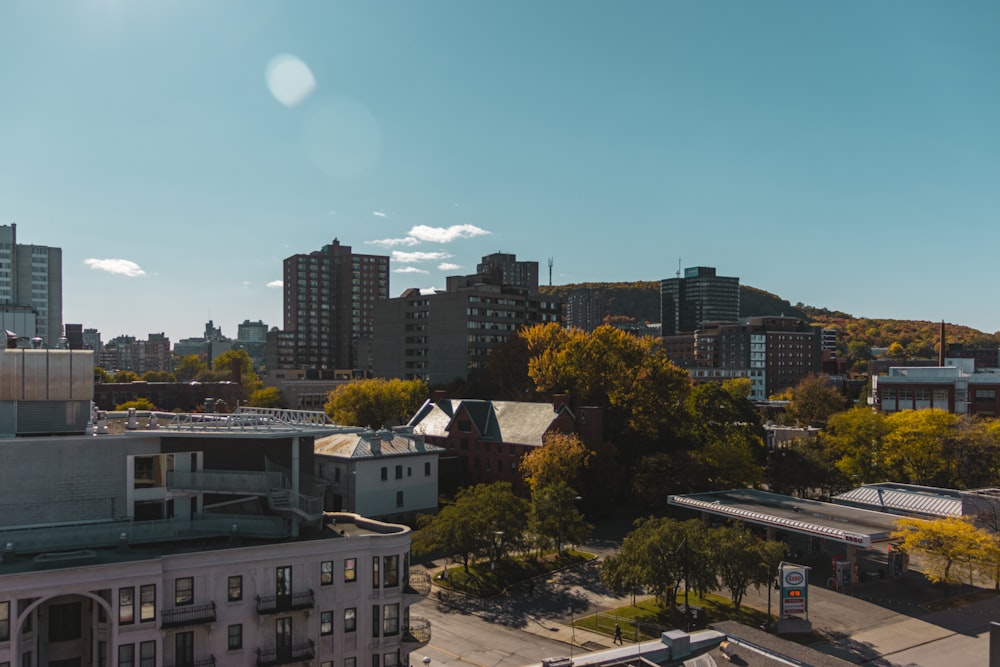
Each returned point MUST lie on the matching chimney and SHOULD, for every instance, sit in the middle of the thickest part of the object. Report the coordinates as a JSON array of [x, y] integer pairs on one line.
[[236, 370], [375, 441], [941, 348], [438, 395], [559, 401]]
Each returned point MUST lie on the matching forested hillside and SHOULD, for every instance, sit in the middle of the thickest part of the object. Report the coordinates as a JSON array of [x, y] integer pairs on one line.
[[914, 339]]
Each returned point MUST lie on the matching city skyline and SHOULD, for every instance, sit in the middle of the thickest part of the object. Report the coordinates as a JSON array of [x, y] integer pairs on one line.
[[844, 156]]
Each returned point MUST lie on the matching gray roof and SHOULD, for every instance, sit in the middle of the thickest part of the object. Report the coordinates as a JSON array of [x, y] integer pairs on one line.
[[904, 499], [513, 422], [359, 445]]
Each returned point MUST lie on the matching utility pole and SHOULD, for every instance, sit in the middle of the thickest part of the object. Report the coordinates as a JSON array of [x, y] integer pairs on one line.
[[550, 272]]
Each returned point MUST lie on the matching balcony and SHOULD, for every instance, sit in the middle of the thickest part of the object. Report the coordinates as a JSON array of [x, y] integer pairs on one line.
[[274, 604], [419, 584], [417, 632], [182, 616], [285, 656], [204, 662]]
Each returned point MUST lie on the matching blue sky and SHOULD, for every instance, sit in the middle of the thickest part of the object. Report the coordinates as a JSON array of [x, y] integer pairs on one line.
[[842, 154]]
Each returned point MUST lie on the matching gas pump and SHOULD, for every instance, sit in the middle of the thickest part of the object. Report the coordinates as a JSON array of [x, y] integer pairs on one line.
[[899, 561], [843, 572]]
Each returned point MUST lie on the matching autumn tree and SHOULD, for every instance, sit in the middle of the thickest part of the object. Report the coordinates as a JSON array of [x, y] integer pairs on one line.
[[560, 460], [267, 397], [376, 402], [918, 447], [101, 376], [122, 377], [814, 400], [224, 364], [952, 549], [158, 376], [138, 404], [854, 441], [188, 367]]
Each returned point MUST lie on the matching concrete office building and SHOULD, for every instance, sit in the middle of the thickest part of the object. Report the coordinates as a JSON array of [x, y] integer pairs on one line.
[[329, 299], [699, 296], [31, 276]]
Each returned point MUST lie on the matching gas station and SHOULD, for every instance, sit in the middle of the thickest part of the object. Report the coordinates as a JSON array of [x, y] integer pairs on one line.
[[844, 533]]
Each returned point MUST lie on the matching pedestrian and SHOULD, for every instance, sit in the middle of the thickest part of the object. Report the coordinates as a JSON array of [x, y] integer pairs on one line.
[[618, 635]]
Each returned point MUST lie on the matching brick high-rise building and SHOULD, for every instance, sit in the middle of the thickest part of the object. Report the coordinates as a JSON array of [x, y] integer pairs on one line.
[[31, 277], [330, 295]]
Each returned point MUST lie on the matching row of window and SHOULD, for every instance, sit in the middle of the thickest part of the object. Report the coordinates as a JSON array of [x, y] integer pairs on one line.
[[398, 472]]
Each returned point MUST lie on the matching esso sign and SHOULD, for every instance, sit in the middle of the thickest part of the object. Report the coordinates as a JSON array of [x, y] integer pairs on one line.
[[794, 579], [853, 538]]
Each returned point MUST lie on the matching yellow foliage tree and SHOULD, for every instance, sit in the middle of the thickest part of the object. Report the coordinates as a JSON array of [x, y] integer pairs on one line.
[[952, 549], [559, 460]]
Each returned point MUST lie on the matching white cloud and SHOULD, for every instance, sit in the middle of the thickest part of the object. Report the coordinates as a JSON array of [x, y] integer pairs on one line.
[[390, 243], [446, 234], [276, 284], [418, 256], [448, 266], [380, 214], [123, 267], [409, 269]]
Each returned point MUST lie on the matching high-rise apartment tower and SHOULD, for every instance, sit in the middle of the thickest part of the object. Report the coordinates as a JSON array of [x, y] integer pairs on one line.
[[700, 296], [31, 277]]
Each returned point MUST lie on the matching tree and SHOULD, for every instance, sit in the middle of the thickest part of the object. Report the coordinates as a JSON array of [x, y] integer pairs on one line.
[[485, 520], [101, 376], [896, 352], [267, 397], [953, 550], [249, 378], [854, 441], [138, 404], [123, 377], [742, 559], [554, 519], [814, 400], [189, 367], [158, 376], [918, 447], [560, 460], [376, 402]]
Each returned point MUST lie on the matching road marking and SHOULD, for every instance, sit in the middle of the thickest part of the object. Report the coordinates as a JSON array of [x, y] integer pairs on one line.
[[455, 655]]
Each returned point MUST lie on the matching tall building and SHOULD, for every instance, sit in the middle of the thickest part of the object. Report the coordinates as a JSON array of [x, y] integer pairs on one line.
[[700, 296], [509, 271], [330, 297], [449, 335], [31, 276], [585, 309]]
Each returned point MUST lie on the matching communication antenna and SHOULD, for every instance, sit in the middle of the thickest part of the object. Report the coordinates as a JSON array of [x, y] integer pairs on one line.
[[550, 272], [678, 267]]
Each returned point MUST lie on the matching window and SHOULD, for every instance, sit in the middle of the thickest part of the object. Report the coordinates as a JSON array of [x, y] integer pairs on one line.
[[985, 394], [4, 621], [375, 581], [409, 471], [235, 637], [385, 473], [390, 620], [147, 654], [235, 588], [350, 619], [283, 580], [399, 472], [184, 648], [391, 571], [183, 591], [390, 660], [375, 620], [427, 468], [147, 602], [325, 623], [326, 573], [326, 663], [126, 605], [351, 662], [126, 655], [399, 499], [350, 569], [374, 659]]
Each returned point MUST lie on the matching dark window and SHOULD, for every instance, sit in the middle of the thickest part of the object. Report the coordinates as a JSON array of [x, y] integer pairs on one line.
[[4, 621], [376, 617], [183, 591], [464, 425], [399, 499], [351, 662], [399, 472], [390, 620], [235, 588], [325, 623], [427, 469], [126, 605], [126, 655], [184, 649], [391, 571], [350, 619], [385, 473], [326, 573], [147, 654], [235, 637], [147, 602], [65, 622], [409, 471]]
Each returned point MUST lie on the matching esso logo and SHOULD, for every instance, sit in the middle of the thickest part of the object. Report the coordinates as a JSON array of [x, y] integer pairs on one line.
[[856, 539], [794, 578]]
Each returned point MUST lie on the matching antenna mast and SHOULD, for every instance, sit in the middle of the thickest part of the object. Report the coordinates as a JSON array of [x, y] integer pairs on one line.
[[678, 267], [550, 272]]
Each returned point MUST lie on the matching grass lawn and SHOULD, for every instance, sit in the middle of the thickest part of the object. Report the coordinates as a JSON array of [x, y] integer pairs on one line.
[[645, 619], [508, 573]]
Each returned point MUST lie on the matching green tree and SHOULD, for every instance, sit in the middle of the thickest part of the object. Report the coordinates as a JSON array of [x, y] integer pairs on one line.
[[854, 441], [561, 459], [918, 447], [123, 377], [267, 397], [158, 376], [814, 400], [101, 376], [249, 378], [742, 559], [188, 367], [554, 520], [376, 402], [485, 520]]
